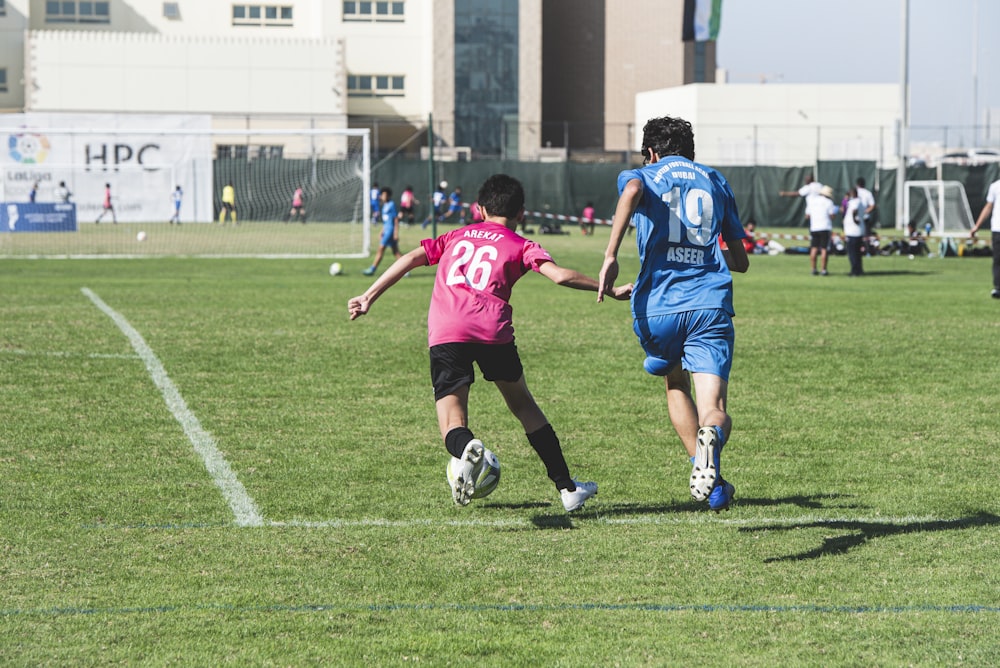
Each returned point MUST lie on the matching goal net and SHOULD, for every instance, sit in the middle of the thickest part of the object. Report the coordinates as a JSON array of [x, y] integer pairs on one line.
[[159, 192], [942, 204]]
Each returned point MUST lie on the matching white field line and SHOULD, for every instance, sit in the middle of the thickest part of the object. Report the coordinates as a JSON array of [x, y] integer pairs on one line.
[[240, 502]]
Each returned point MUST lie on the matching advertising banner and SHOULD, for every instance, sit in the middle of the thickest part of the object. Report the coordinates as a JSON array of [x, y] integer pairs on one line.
[[21, 217], [77, 158]]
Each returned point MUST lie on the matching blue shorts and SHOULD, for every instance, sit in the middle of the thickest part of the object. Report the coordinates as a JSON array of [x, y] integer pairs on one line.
[[388, 241], [702, 341]]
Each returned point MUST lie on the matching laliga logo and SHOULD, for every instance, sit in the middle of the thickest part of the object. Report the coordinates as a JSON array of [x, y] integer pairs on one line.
[[28, 149]]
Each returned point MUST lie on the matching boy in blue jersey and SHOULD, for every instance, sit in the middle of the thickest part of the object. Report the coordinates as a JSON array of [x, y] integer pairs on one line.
[[682, 302], [390, 229]]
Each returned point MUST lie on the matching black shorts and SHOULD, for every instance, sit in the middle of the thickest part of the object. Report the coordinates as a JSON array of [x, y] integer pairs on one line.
[[451, 365], [819, 240]]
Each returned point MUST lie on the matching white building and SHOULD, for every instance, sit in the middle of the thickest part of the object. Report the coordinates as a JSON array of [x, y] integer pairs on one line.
[[505, 77], [782, 124]]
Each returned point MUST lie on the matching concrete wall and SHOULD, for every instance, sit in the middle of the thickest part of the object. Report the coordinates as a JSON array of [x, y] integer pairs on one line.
[[780, 124]]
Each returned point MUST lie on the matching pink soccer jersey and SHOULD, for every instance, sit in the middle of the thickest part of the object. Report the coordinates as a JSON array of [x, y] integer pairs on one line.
[[479, 265]]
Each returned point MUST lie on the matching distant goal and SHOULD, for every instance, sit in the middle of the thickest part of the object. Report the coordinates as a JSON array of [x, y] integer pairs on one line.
[[144, 166], [943, 204]]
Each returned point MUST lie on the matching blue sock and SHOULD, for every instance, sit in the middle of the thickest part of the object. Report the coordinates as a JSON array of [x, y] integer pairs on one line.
[[721, 435]]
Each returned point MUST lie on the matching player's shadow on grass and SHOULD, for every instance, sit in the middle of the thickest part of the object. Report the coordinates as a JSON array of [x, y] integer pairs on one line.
[[898, 272], [813, 501], [860, 532]]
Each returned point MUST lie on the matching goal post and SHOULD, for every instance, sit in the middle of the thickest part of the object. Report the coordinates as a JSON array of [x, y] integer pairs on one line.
[[144, 166], [942, 204]]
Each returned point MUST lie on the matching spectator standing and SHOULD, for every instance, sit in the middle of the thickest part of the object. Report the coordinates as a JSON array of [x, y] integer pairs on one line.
[[820, 211], [854, 232], [992, 212]]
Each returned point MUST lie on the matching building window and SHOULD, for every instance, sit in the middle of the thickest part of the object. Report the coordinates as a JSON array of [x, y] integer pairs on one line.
[[3, 79], [172, 10], [262, 15], [71, 11], [374, 11], [3, 7], [375, 85]]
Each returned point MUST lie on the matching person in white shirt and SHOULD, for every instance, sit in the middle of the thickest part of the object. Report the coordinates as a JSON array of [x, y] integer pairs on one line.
[[854, 231], [820, 211], [992, 212], [866, 210]]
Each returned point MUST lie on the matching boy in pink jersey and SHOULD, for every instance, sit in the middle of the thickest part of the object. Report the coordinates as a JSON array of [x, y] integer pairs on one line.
[[470, 320]]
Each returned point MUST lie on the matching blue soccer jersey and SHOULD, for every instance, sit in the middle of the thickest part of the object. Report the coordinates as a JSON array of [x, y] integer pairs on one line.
[[389, 216], [684, 208]]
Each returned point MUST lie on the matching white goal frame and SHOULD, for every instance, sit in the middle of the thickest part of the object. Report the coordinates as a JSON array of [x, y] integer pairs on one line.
[[938, 211]]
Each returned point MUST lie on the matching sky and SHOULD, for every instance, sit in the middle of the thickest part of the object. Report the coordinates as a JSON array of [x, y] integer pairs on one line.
[[858, 41]]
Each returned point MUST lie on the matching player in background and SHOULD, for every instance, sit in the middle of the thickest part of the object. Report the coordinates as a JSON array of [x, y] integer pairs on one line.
[[298, 209], [407, 206], [455, 206], [33, 194], [108, 206], [682, 303], [438, 200], [63, 194], [587, 219], [373, 196], [177, 196], [470, 320], [228, 204], [390, 229], [992, 212]]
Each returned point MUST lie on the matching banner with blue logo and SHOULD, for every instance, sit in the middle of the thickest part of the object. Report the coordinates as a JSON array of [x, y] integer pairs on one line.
[[47, 217]]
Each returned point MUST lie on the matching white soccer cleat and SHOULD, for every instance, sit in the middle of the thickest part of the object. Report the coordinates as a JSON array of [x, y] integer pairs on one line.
[[467, 471], [574, 500], [705, 468]]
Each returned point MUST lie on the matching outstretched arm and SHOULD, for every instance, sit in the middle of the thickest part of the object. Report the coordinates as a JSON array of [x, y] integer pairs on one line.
[[358, 306], [574, 279], [627, 204]]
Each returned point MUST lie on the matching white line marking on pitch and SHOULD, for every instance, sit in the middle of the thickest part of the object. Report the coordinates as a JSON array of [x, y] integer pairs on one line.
[[240, 502]]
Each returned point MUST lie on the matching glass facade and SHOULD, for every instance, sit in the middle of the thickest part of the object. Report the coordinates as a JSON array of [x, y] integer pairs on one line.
[[486, 81]]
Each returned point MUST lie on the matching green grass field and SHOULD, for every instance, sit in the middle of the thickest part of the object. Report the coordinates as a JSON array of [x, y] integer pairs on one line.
[[203, 462]]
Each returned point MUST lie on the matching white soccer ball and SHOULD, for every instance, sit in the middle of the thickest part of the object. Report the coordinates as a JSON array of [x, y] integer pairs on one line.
[[141, 236], [488, 479], [335, 269]]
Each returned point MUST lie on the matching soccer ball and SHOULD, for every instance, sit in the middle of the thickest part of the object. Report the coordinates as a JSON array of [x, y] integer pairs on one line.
[[141, 236], [335, 269], [488, 479]]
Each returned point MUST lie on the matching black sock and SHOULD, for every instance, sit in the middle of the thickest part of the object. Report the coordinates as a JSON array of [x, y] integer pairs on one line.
[[456, 440], [546, 444]]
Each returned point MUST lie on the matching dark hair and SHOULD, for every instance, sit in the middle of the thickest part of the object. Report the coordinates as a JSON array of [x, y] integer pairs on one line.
[[861, 181], [501, 195], [387, 190], [668, 136]]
